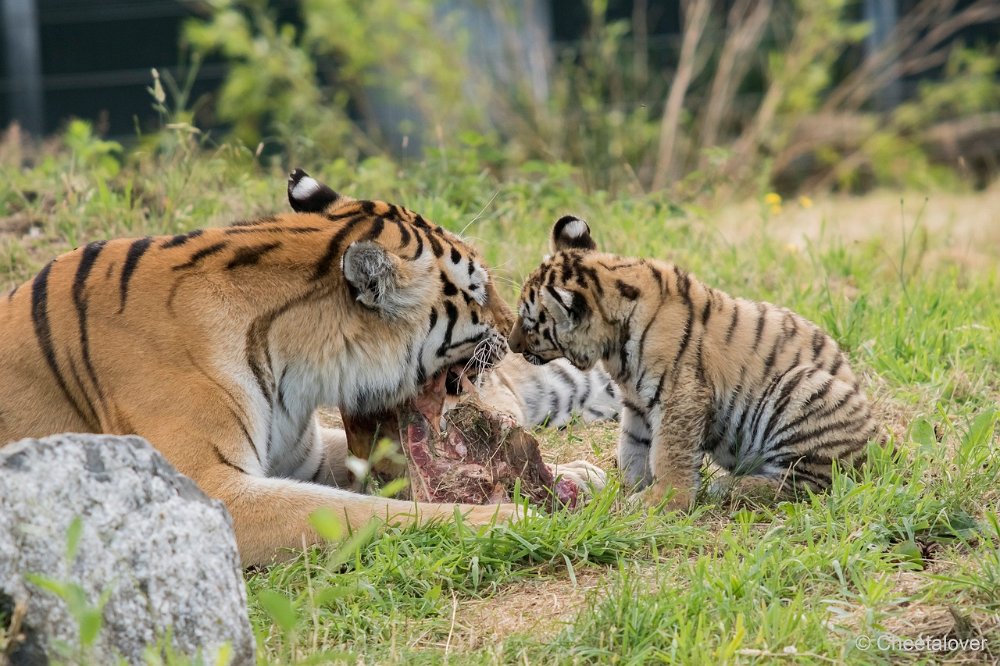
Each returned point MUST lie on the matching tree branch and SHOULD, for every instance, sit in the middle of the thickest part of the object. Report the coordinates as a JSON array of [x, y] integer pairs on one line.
[[695, 18]]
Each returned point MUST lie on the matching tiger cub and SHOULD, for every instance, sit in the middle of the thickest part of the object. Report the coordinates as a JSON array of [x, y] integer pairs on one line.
[[766, 393], [218, 345]]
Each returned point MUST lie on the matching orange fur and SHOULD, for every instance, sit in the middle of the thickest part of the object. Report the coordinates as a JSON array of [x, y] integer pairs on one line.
[[217, 346]]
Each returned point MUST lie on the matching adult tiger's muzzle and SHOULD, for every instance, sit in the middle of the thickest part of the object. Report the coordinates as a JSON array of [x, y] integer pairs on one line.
[[487, 353]]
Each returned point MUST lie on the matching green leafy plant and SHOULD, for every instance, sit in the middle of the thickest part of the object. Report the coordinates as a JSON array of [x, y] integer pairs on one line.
[[87, 614], [91, 153]]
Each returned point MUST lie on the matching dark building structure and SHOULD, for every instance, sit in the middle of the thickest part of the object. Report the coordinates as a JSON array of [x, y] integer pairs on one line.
[[90, 59]]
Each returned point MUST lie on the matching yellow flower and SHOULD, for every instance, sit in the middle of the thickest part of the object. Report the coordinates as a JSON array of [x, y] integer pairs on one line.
[[805, 201], [773, 201]]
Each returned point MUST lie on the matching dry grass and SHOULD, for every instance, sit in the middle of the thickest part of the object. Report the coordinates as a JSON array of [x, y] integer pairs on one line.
[[540, 608], [965, 227]]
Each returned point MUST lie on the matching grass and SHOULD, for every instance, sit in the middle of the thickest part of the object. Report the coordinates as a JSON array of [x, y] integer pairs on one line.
[[909, 548]]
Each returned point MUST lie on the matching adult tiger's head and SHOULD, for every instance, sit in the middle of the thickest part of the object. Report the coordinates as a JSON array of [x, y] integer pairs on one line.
[[556, 311], [413, 273]]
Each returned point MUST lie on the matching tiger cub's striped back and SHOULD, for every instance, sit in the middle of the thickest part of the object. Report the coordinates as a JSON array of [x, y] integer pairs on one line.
[[761, 389]]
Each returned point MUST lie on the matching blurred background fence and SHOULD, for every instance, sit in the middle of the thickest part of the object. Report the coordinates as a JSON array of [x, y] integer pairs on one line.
[[797, 95]]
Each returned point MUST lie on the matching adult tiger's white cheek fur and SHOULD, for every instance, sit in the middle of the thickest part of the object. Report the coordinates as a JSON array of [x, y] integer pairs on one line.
[[467, 275], [453, 338]]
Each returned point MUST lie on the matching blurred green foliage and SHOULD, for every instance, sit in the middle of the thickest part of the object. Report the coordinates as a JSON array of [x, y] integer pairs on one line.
[[361, 78], [90, 152]]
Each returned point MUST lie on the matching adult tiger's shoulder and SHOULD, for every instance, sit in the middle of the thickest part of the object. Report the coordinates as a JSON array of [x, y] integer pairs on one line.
[[217, 345], [764, 391]]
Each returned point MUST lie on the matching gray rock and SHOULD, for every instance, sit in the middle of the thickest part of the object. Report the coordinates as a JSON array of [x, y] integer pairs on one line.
[[162, 552]]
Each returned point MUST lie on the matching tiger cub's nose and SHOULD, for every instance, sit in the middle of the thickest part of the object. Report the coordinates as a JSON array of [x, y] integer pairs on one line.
[[516, 341]]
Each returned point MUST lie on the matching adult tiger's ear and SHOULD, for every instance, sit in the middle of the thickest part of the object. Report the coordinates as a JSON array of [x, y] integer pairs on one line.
[[381, 281], [308, 195], [571, 233], [568, 308]]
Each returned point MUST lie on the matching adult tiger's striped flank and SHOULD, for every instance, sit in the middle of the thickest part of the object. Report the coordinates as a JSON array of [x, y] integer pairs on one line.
[[763, 391], [218, 345]]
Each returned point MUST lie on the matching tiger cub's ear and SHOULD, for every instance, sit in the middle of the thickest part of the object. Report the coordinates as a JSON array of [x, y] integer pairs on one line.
[[568, 308], [381, 281], [308, 195], [571, 233]]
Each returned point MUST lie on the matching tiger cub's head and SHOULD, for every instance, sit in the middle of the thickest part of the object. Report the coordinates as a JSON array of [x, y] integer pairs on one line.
[[556, 311], [413, 273]]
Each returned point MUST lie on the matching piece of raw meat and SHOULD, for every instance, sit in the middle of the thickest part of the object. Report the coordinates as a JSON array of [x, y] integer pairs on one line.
[[479, 455]]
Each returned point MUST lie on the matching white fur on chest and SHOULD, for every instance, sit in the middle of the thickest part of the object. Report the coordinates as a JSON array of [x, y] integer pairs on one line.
[[360, 377]]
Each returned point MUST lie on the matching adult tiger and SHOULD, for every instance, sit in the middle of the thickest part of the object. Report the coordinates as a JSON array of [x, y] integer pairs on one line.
[[765, 392], [218, 345], [534, 396]]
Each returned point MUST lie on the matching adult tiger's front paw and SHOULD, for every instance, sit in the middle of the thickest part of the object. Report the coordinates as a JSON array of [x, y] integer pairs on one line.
[[497, 514], [588, 478]]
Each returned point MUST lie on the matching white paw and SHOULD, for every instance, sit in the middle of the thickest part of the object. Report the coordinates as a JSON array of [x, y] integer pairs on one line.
[[720, 488], [583, 474], [634, 502]]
